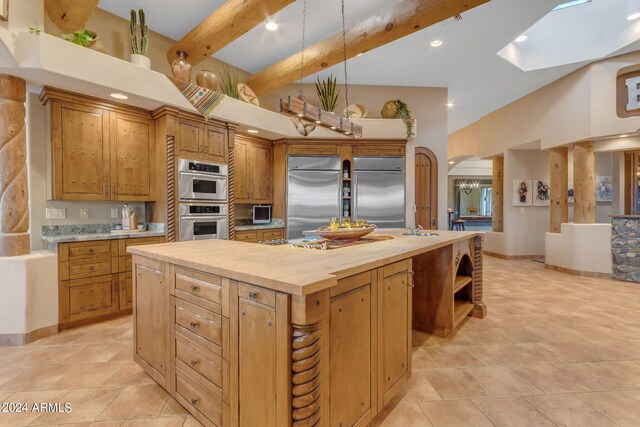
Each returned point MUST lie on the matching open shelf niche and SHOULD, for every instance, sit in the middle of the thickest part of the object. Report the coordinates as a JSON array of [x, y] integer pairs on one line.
[[346, 190], [463, 290]]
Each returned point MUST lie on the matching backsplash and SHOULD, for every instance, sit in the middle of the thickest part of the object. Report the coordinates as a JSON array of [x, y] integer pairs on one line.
[[67, 229]]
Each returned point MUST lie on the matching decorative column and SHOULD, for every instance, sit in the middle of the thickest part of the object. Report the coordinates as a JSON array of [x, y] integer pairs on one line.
[[584, 183], [498, 194], [14, 185], [559, 171]]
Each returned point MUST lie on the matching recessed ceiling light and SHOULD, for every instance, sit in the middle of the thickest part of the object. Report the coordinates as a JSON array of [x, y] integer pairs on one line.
[[450, 104], [452, 163], [624, 136], [271, 26], [521, 38], [360, 54], [570, 3], [119, 96], [333, 128], [252, 131], [633, 16], [436, 43]]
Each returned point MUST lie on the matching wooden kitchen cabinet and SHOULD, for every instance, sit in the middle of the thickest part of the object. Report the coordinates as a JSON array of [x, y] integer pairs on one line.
[[255, 236], [253, 170], [97, 150], [199, 141], [133, 172]]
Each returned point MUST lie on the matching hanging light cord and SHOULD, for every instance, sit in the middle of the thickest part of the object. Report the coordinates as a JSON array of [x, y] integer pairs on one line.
[[344, 51], [304, 26]]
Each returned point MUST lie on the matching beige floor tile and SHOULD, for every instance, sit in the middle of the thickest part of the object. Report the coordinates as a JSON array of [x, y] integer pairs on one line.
[[35, 378], [172, 407], [172, 421], [125, 354], [502, 381], [23, 418], [452, 356], [594, 377], [401, 414], [619, 406], [550, 379], [63, 338], [86, 404], [116, 423], [519, 335], [486, 336], [512, 412], [422, 360], [138, 401], [191, 422], [418, 389], [130, 374], [8, 373], [455, 413], [100, 336], [89, 375], [567, 410], [97, 352], [624, 370], [570, 351], [455, 383], [4, 396]]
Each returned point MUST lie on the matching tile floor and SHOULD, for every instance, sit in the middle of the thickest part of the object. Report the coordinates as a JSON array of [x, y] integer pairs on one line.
[[555, 350]]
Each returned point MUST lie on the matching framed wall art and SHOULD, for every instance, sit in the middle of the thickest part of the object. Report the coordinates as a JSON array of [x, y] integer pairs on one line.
[[522, 192], [604, 189], [541, 192]]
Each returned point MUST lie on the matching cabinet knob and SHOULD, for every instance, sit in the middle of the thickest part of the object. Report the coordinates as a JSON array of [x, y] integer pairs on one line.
[[194, 401], [195, 288], [194, 324], [252, 295], [195, 362]]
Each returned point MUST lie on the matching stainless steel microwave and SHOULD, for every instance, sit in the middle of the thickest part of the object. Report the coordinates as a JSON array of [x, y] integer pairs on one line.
[[200, 181]]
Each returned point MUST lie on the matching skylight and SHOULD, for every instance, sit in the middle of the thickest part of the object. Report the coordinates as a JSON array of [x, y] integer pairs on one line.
[[570, 4]]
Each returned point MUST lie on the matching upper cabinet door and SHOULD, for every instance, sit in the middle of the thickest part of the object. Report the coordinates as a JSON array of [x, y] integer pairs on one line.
[[132, 157], [241, 157], [190, 139], [261, 172], [215, 145], [80, 152]]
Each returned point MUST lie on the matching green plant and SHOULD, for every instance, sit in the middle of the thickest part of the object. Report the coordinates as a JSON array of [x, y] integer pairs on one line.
[[81, 38], [143, 48], [229, 83], [35, 29], [327, 93], [403, 112]]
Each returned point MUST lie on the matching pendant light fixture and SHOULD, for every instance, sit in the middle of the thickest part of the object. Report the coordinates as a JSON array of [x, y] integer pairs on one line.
[[305, 115]]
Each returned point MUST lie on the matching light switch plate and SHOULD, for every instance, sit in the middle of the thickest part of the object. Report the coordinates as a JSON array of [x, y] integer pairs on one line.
[[52, 213], [114, 213], [84, 213]]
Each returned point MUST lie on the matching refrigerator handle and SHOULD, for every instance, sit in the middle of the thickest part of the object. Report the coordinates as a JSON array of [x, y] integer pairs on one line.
[[354, 197]]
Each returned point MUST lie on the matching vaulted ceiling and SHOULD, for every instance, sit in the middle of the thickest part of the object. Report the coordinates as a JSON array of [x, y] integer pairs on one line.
[[467, 63]]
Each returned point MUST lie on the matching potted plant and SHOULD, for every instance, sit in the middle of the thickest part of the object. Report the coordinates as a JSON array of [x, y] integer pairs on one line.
[[229, 83], [397, 109], [85, 38], [327, 93], [139, 51]]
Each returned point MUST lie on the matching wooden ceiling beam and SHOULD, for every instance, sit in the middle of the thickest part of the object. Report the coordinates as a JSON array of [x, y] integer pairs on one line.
[[392, 24], [70, 15], [230, 21]]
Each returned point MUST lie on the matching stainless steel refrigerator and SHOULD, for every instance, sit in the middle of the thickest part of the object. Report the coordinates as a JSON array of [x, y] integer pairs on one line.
[[378, 191], [313, 193]]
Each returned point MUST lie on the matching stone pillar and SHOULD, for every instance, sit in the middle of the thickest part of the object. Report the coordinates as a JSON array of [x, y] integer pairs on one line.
[[14, 186], [498, 194], [584, 183], [559, 171]]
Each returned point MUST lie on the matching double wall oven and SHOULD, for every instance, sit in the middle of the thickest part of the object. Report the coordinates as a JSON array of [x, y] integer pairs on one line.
[[203, 200]]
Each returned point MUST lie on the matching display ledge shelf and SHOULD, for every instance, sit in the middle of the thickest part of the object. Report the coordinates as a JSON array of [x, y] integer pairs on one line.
[[461, 282], [461, 309], [43, 59]]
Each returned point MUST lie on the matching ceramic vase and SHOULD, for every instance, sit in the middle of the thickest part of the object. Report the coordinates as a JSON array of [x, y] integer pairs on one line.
[[140, 61], [181, 69], [208, 80], [389, 110]]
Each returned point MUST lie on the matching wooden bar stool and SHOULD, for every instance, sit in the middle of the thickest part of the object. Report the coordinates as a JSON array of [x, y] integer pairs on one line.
[[458, 224]]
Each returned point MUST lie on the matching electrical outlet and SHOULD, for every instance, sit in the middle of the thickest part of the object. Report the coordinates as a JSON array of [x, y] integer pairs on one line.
[[115, 213], [84, 213], [51, 213]]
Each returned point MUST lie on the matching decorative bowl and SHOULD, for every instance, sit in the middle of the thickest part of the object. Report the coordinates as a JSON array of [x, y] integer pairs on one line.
[[353, 233]]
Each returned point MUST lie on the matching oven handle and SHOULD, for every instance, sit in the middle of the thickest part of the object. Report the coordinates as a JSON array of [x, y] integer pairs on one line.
[[219, 217], [203, 175]]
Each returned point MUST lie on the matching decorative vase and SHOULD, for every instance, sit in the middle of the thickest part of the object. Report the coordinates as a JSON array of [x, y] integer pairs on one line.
[[389, 110], [180, 68], [140, 61], [208, 80], [95, 44]]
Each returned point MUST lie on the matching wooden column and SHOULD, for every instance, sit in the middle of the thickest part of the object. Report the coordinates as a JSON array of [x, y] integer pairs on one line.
[[584, 183], [14, 186], [498, 194], [559, 171]]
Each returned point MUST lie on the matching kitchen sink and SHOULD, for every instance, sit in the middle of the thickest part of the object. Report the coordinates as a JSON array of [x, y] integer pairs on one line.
[[421, 234]]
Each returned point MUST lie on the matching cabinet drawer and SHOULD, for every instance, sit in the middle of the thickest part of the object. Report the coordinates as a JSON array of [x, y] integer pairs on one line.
[[195, 357], [85, 250], [80, 270], [199, 321], [196, 397], [199, 285], [259, 295], [247, 236], [90, 297], [272, 234]]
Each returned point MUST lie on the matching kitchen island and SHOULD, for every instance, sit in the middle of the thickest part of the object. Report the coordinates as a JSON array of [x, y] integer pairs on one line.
[[251, 335]]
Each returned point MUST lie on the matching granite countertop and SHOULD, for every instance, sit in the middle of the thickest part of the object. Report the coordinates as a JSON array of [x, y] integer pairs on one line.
[[88, 232], [247, 225]]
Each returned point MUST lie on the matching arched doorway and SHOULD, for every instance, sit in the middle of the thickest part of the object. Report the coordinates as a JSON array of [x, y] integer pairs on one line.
[[426, 187]]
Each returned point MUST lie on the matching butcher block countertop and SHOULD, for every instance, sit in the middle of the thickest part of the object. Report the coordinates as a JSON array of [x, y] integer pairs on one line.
[[297, 271]]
